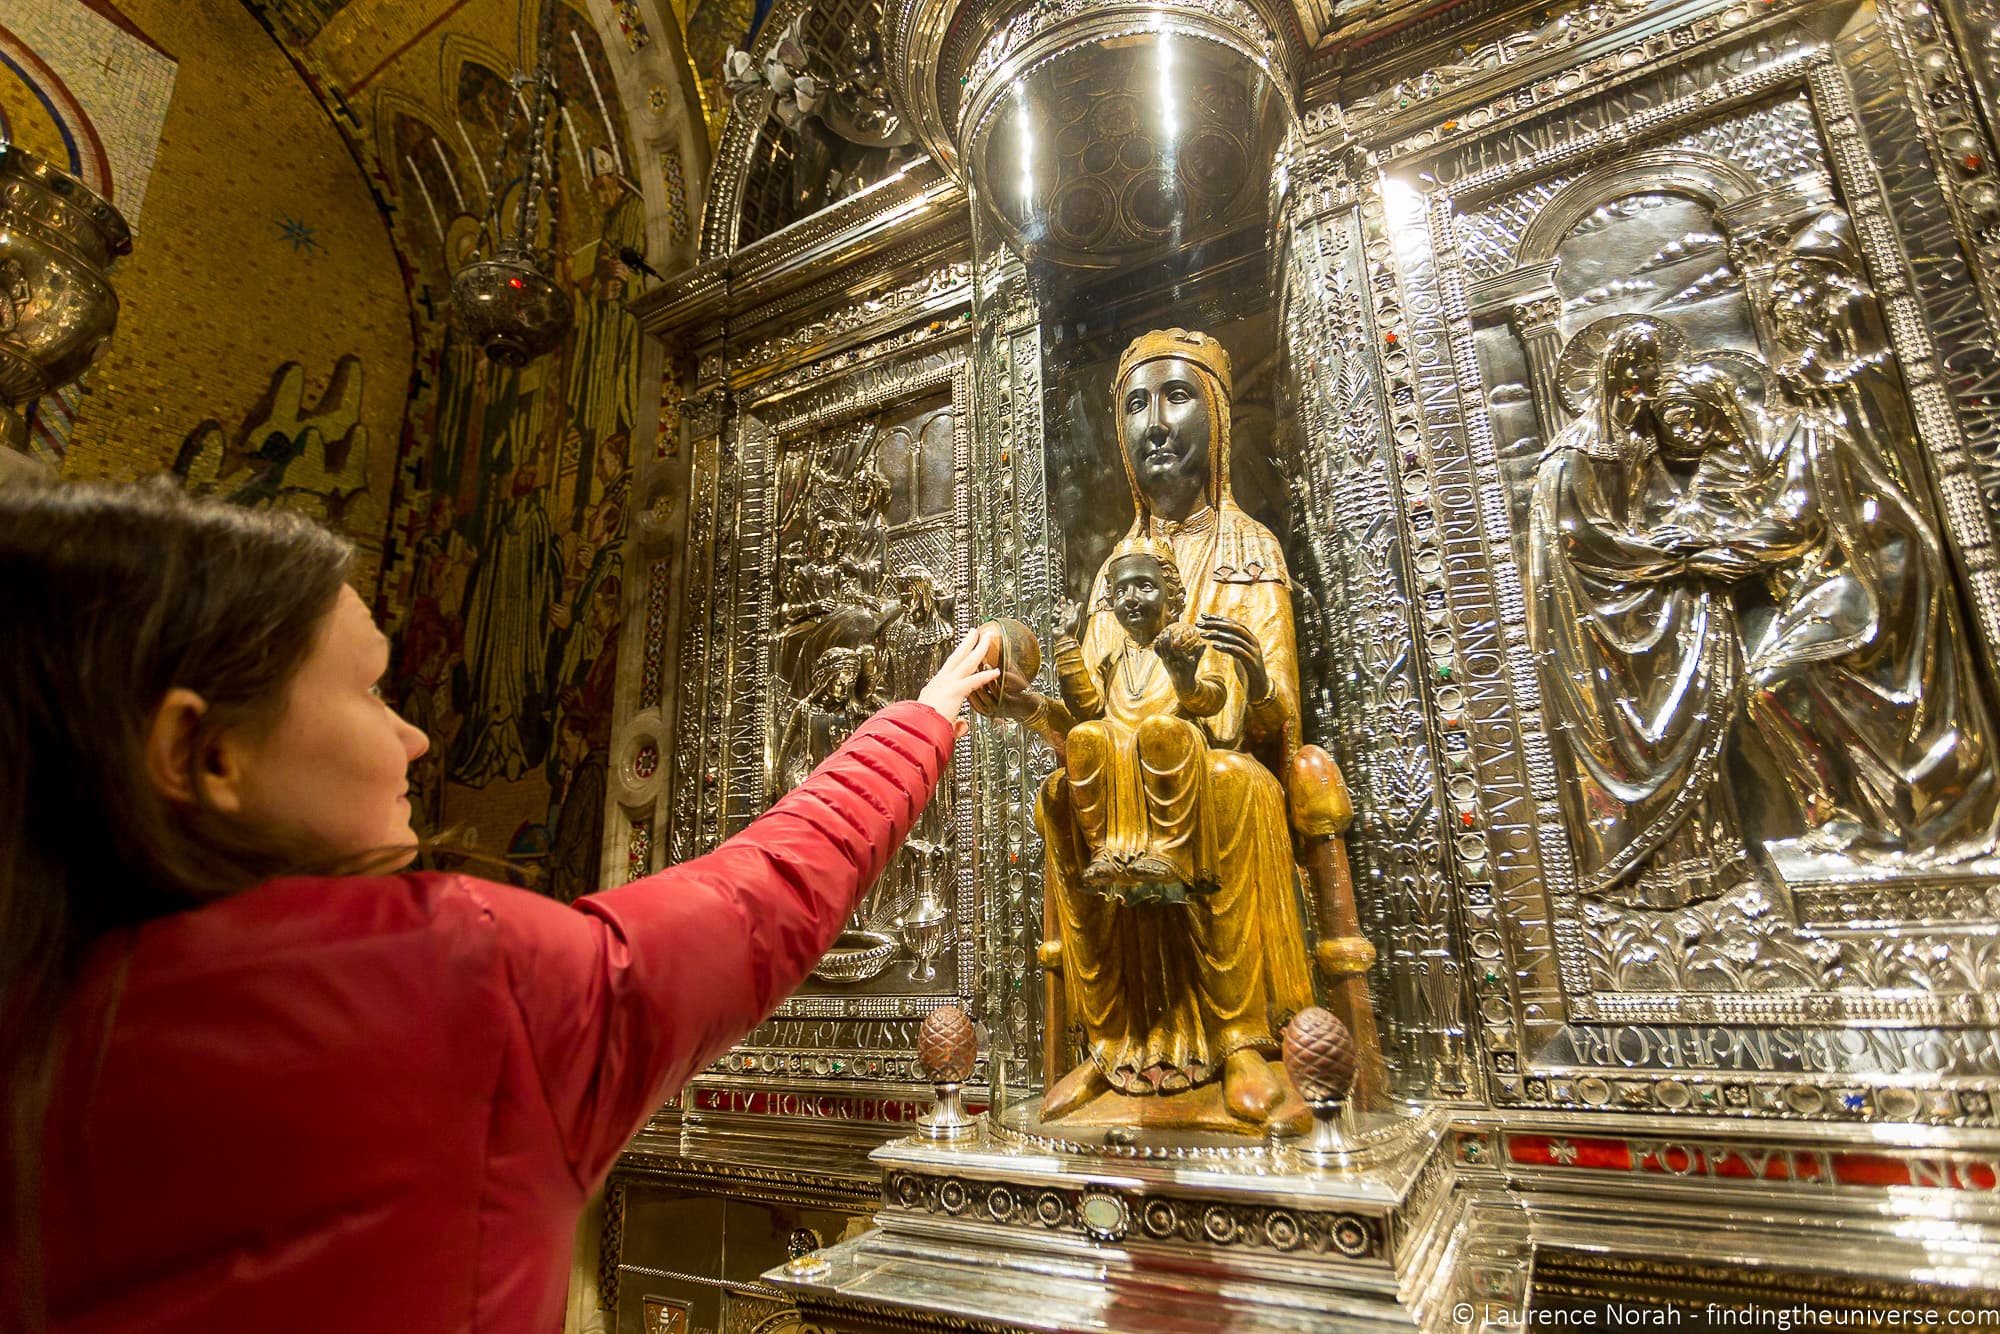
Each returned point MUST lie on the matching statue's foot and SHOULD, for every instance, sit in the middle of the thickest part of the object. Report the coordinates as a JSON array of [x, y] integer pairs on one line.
[[1102, 871], [1291, 1116], [1148, 869], [1073, 1090], [1249, 1089]]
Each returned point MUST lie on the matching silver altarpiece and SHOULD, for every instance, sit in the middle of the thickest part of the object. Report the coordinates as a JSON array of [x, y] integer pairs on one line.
[[1619, 382]]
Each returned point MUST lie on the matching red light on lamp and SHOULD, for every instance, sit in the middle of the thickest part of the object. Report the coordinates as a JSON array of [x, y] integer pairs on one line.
[[516, 284]]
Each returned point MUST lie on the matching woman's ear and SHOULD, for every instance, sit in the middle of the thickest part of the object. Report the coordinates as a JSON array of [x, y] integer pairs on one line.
[[177, 759], [170, 742]]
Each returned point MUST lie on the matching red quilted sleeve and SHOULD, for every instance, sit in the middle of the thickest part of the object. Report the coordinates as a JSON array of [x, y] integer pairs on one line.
[[631, 991]]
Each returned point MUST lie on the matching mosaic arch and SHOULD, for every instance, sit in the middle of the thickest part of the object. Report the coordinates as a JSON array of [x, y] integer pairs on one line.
[[41, 115]]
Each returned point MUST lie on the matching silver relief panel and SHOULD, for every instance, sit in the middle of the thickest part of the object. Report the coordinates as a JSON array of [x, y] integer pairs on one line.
[[1019, 555], [1694, 805], [827, 565], [854, 501]]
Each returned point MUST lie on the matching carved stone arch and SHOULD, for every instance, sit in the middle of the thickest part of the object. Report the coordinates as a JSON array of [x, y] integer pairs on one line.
[[643, 81], [750, 191], [1699, 176], [666, 128], [753, 143]]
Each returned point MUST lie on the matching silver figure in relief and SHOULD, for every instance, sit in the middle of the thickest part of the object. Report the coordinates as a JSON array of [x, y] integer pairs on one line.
[[1863, 686], [1727, 559], [830, 648], [917, 641], [844, 693], [921, 638], [1640, 654]]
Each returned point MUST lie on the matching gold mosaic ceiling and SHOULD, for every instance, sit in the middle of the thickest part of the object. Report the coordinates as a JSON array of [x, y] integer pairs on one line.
[[355, 40]]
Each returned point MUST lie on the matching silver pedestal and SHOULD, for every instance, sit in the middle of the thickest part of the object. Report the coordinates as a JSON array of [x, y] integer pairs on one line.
[[947, 1121], [1003, 1229]]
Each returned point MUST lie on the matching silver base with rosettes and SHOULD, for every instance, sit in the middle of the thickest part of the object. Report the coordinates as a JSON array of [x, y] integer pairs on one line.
[[1009, 1229]]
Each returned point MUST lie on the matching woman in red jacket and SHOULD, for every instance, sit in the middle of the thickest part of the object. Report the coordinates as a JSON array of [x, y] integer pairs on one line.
[[248, 1092]]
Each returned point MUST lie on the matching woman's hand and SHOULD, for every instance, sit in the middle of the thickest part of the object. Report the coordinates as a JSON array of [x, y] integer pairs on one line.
[[960, 675], [1232, 638]]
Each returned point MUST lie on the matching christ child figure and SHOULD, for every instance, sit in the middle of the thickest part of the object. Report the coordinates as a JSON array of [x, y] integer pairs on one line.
[[1137, 755]]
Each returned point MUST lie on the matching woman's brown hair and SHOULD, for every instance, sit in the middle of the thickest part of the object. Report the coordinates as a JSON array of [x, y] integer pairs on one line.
[[109, 597]]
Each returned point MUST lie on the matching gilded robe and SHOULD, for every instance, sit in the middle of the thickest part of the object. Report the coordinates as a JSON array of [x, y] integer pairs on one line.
[[1164, 988]]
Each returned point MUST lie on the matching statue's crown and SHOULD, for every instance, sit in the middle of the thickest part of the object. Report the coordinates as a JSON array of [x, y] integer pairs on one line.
[[1145, 544], [1185, 344]]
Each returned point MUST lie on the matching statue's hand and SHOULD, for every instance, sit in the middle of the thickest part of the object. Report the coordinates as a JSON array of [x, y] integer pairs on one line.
[[1007, 697], [1180, 647], [1232, 638], [1069, 619]]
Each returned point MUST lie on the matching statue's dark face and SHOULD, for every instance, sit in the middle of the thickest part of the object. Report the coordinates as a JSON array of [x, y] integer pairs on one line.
[[1139, 597], [1163, 424]]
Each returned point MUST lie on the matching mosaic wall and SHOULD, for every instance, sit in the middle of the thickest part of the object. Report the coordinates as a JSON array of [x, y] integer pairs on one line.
[[86, 91], [311, 173], [713, 27], [264, 337], [507, 581]]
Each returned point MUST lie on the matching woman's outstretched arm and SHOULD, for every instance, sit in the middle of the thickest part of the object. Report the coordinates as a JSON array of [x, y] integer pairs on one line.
[[628, 993]]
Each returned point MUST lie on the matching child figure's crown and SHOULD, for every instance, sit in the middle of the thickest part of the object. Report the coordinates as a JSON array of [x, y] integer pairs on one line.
[[1154, 549]]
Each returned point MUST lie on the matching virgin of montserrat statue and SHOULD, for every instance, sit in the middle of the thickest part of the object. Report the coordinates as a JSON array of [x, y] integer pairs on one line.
[[1170, 867]]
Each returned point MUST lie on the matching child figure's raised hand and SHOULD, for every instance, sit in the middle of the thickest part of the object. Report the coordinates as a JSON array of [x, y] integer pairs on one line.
[[1180, 647]]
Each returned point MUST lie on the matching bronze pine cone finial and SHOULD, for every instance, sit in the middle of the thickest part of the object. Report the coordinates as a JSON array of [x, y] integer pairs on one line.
[[947, 1046], [1319, 1055]]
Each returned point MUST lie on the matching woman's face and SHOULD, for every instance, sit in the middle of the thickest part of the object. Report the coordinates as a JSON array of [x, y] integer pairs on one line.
[[333, 770]]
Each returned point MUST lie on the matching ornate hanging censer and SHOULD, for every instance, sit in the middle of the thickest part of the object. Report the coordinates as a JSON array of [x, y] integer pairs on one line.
[[57, 308], [509, 302]]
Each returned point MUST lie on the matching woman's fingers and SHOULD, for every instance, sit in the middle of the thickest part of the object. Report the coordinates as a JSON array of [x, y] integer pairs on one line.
[[972, 647], [957, 655], [962, 684], [981, 677], [967, 645], [959, 675], [967, 686]]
